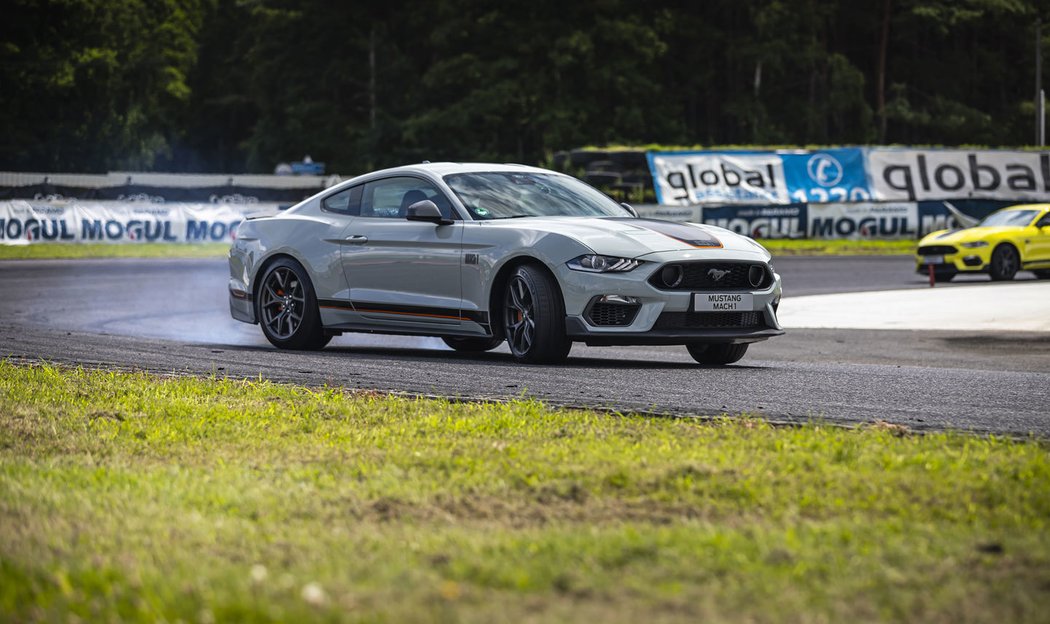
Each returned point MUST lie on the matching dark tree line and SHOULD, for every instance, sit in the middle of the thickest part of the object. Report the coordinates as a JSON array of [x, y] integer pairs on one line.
[[240, 85]]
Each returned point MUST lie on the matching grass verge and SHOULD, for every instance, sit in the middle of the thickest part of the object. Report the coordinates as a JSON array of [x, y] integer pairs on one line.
[[41, 251], [837, 247], [781, 247], [131, 497]]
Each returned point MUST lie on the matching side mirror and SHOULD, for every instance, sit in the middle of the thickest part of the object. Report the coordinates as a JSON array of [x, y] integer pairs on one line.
[[428, 211], [629, 208]]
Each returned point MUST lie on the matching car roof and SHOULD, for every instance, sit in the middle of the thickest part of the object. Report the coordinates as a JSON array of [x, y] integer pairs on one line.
[[1026, 207], [445, 168]]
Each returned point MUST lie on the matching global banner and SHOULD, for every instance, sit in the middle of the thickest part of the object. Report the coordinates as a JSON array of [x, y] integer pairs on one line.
[[848, 175], [759, 177], [23, 223], [912, 174]]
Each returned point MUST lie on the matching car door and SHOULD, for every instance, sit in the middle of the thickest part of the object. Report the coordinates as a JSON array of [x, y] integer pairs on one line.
[[1037, 241], [403, 272]]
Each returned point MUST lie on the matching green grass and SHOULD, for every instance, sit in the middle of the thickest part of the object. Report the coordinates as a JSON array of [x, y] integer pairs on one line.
[[780, 247], [38, 251], [136, 498], [838, 247]]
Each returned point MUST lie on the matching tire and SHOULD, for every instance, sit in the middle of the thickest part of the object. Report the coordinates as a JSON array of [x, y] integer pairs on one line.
[[286, 307], [473, 345], [1005, 263], [717, 354], [1042, 274], [534, 317]]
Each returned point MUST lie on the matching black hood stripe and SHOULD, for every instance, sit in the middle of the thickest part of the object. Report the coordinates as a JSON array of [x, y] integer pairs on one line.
[[688, 234]]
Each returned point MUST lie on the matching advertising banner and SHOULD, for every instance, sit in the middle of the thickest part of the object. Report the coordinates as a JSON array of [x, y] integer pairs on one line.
[[24, 223], [829, 175], [760, 221], [771, 177], [688, 178], [864, 220], [915, 175], [155, 194]]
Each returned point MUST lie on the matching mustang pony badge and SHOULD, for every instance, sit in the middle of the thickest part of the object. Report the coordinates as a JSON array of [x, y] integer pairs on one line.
[[717, 274]]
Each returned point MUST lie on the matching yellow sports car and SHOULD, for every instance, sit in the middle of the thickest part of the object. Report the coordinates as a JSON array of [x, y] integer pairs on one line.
[[1005, 242]]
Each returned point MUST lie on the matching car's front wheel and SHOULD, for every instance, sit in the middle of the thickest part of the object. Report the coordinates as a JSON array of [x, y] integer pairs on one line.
[[1005, 262], [472, 345], [286, 307], [534, 317], [717, 354]]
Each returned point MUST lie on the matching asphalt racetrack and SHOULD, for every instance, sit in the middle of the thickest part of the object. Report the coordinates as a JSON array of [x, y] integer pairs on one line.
[[171, 316]]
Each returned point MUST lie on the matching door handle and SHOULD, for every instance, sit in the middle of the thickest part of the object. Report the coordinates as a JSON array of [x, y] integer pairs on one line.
[[356, 239]]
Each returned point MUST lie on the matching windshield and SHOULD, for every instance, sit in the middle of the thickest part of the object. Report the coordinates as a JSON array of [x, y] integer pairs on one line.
[[509, 194], [1009, 217]]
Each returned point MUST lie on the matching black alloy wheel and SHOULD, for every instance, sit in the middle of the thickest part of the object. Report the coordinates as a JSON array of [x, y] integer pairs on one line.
[[534, 318], [472, 345], [1005, 263], [286, 308], [717, 354]]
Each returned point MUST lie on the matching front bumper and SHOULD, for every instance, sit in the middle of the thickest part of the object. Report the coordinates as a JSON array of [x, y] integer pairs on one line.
[[577, 329], [965, 260], [663, 317]]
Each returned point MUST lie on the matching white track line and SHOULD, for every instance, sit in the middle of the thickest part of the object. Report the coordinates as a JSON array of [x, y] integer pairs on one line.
[[982, 307]]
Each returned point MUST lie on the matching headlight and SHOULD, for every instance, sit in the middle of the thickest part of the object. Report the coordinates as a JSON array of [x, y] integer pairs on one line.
[[593, 263], [974, 244]]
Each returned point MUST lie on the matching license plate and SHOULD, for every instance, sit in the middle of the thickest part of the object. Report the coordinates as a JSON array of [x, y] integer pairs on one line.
[[933, 259], [723, 302]]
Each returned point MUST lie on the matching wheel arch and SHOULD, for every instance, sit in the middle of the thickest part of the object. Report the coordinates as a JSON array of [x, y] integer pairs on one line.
[[1006, 242], [266, 262], [499, 282]]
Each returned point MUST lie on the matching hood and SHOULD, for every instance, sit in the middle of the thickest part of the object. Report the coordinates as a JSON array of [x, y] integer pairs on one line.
[[630, 237], [966, 234]]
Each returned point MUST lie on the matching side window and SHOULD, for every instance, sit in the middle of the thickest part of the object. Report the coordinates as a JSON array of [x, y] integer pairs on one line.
[[347, 201], [390, 198]]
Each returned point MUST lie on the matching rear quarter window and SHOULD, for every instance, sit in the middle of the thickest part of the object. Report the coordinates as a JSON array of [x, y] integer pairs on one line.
[[347, 201]]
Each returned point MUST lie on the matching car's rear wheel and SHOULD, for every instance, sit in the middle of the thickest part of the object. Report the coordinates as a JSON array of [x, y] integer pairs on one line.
[[473, 345], [1005, 263], [717, 354], [1042, 274], [534, 317], [286, 307]]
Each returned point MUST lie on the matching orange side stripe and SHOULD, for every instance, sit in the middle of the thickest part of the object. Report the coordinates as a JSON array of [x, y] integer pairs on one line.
[[441, 316]]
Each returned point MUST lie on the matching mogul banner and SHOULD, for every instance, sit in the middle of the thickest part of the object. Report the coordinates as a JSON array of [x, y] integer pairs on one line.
[[760, 221], [911, 174], [769, 177], [854, 220], [23, 223], [864, 220]]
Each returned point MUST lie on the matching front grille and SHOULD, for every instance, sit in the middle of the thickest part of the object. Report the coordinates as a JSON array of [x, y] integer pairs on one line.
[[612, 314], [937, 250], [709, 320], [701, 276]]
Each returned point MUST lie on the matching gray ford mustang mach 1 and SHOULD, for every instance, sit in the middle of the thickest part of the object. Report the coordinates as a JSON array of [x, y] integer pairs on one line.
[[478, 253]]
